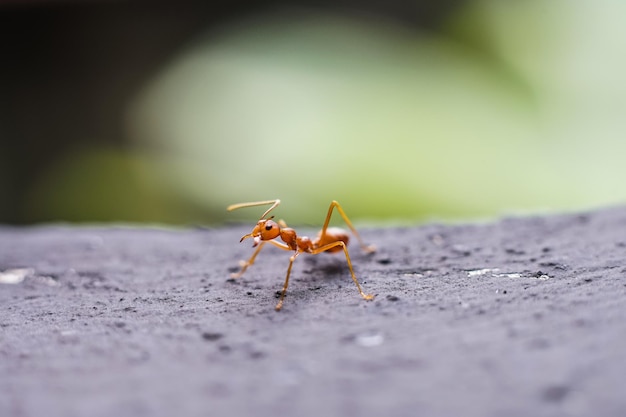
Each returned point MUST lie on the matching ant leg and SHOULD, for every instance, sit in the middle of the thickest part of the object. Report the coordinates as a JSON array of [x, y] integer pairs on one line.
[[335, 204], [345, 251], [286, 284], [245, 264]]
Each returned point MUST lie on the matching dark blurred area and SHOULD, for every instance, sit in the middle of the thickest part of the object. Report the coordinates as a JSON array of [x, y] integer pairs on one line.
[[166, 112], [69, 68]]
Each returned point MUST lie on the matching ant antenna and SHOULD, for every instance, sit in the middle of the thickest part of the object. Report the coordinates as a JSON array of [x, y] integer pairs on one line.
[[274, 204]]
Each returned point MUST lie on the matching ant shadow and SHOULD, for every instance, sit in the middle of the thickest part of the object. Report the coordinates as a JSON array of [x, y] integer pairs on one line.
[[327, 267]]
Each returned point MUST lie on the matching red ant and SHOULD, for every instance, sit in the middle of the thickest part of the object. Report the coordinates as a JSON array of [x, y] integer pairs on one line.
[[329, 239]]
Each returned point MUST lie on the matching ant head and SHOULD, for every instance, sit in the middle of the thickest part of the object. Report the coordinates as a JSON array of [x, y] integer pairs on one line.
[[265, 229]]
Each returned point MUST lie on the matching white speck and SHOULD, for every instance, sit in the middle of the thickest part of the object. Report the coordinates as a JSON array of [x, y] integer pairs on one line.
[[47, 280], [69, 336], [369, 339], [15, 276], [479, 272], [495, 273], [437, 240]]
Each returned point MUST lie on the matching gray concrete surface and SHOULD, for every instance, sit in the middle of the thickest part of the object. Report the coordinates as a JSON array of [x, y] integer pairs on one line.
[[519, 317]]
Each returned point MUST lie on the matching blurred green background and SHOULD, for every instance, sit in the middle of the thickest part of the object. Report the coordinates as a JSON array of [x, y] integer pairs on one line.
[[167, 112]]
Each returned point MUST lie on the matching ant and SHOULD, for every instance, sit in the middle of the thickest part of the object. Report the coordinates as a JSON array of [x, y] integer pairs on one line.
[[329, 239]]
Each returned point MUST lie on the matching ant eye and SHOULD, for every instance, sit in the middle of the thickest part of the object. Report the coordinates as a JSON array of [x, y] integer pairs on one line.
[[269, 226]]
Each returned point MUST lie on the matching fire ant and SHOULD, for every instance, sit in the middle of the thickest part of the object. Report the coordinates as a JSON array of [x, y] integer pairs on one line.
[[329, 239]]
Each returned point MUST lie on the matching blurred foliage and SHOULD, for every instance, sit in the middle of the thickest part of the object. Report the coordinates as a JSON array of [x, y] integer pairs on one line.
[[104, 184], [514, 106]]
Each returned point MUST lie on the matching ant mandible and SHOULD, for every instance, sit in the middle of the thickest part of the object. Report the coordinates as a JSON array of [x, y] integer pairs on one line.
[[329, 239]]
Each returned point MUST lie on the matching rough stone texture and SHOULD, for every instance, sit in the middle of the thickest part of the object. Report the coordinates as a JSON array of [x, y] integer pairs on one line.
[[521, 317]]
